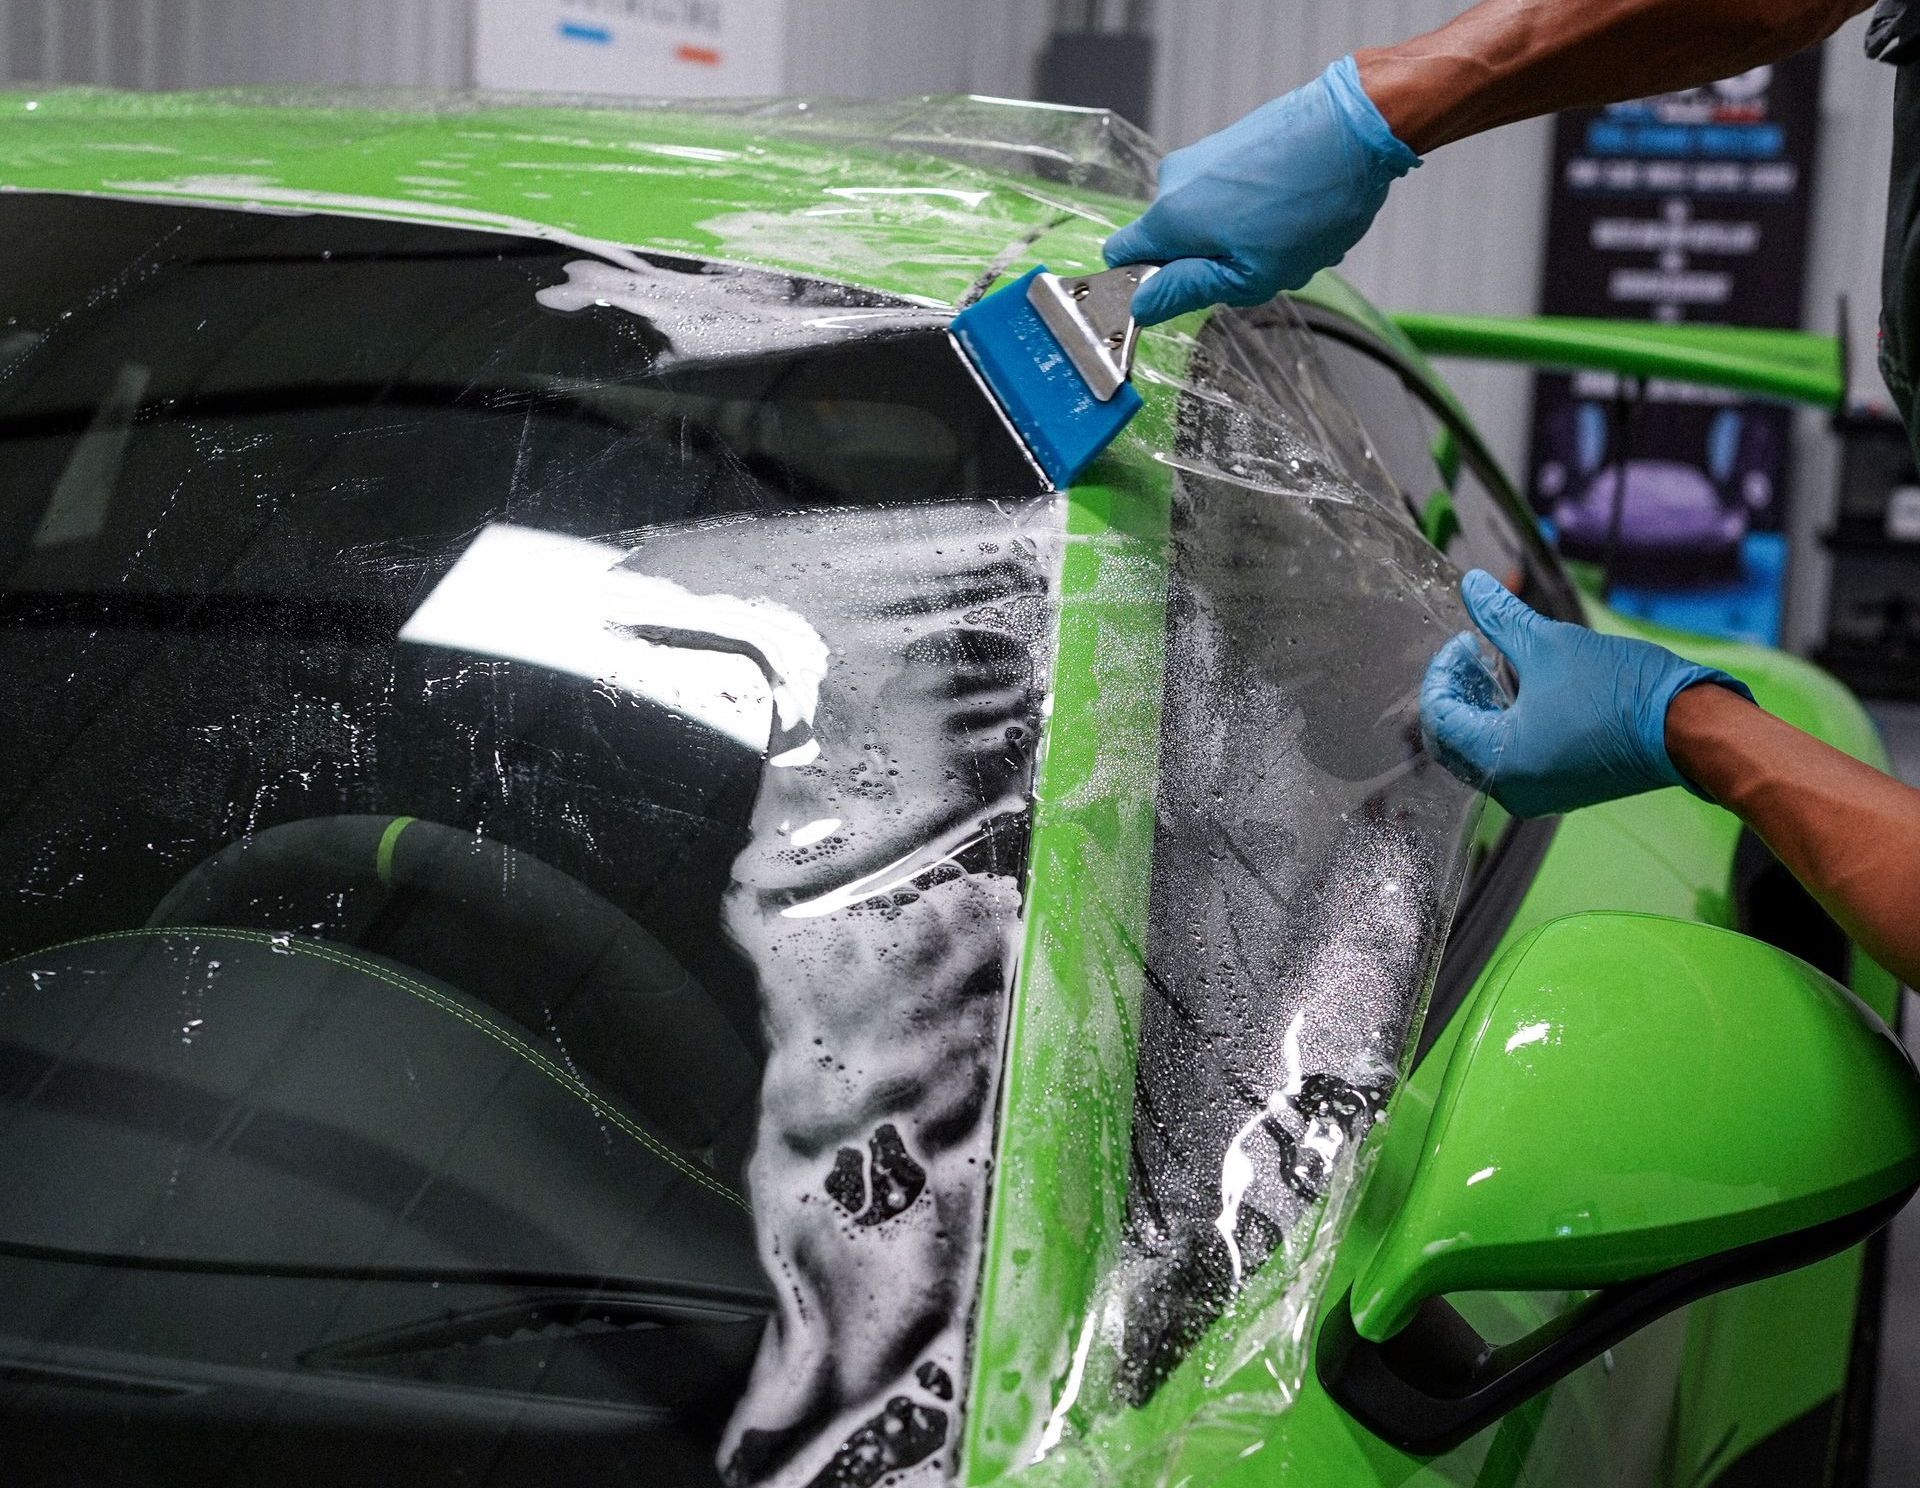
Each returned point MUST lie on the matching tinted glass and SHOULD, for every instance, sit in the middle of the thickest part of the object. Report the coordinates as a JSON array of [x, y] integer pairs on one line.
[[1467, 521], [403, 723], [1306, 850]]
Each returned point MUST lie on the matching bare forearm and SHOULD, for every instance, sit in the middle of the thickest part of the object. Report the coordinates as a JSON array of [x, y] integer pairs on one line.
[[1845, 830], [1506, 60]]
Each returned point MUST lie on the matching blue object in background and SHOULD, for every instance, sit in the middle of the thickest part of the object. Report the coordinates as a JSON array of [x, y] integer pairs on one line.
[[594, 35], [1723, 445], [1745, 607]]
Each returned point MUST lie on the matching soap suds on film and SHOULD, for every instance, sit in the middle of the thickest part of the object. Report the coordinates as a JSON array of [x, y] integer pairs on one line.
[[882, 931], [1305, 858]]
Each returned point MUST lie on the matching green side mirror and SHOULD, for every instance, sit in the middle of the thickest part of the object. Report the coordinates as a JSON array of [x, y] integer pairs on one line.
[[1640, 1107], [1439, 519]]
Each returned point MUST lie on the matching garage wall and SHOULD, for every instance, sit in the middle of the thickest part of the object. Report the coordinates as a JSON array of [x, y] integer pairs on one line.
[[880, 48], [870, 48], [198, 43]]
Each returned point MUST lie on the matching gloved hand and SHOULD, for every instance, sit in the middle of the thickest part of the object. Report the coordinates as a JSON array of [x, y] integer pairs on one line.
[[1590, 719], [1267, 202]]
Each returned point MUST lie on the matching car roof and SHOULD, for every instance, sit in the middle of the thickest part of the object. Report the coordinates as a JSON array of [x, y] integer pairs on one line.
[[928, 198], [935, 199]]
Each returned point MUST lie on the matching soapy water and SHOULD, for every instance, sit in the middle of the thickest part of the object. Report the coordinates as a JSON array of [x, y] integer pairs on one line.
[[1215, 1201], [882, 933], [724, 313], [1306, 856], [906, 652]]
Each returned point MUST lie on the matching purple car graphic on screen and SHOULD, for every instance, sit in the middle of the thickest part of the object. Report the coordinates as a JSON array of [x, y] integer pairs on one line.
[[1677, 514]]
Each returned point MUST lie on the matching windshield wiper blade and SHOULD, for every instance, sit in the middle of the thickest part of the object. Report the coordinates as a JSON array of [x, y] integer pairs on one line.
[[551, 1317], [656, 1290]]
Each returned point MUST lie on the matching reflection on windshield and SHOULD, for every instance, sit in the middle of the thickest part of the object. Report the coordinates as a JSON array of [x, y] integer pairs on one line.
[[564, 604]]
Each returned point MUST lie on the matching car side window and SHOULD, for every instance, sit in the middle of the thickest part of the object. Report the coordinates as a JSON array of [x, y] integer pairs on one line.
[[1456, 509], [1399, 431], [1454, 505]]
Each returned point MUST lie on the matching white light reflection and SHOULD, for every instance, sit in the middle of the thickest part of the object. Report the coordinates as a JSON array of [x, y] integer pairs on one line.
[[896, 875], [1070, 1393], [565, 603], [691, 152], [803, 753], [946, 848], [1236, 1169], [969, 198]]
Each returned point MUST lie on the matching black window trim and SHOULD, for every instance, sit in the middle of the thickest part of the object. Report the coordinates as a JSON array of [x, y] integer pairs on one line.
[[1485, 912], [1473, 449], [1488, 906]]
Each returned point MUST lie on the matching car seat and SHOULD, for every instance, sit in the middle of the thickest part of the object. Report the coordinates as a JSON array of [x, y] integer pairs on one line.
[[569, 970]]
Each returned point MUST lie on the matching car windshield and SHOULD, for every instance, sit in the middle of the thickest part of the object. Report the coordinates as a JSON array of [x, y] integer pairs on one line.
[[443, 672]]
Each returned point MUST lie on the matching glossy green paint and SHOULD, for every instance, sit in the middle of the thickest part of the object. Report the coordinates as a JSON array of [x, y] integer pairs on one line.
[[863, 200], [755, 185], [1614, 1109], [1058, 1199], [1793, 365], [1750, 1360]]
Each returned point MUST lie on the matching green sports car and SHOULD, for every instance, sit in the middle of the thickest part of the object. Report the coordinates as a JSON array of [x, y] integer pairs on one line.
[[607, 886]]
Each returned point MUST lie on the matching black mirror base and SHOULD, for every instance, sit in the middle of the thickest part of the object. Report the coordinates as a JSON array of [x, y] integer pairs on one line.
[[1436, 1382]]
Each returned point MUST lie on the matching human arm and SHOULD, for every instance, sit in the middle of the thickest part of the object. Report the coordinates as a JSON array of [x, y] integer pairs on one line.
[[1848, 832], [1508, 60], [1273, 198], [1597, 717]]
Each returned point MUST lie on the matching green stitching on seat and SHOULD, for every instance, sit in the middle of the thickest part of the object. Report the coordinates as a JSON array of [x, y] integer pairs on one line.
[[389, 840], [426, 994]]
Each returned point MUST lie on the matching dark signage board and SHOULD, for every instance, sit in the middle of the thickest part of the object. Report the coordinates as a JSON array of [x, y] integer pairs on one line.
[[1690, 206]]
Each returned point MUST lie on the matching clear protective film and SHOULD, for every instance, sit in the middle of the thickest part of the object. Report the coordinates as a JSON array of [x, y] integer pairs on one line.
[[588, 836], [929, 198], [1203, 1038], [878, 900]]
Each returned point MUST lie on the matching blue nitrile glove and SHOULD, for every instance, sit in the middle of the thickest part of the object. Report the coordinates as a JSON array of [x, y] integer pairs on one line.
[[1266, 203], [1590, 719]]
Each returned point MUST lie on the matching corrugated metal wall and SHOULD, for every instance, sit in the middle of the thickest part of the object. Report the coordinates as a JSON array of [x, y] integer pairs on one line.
[[204, 43], [882, 48], [872, 48], [1462, 233]]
